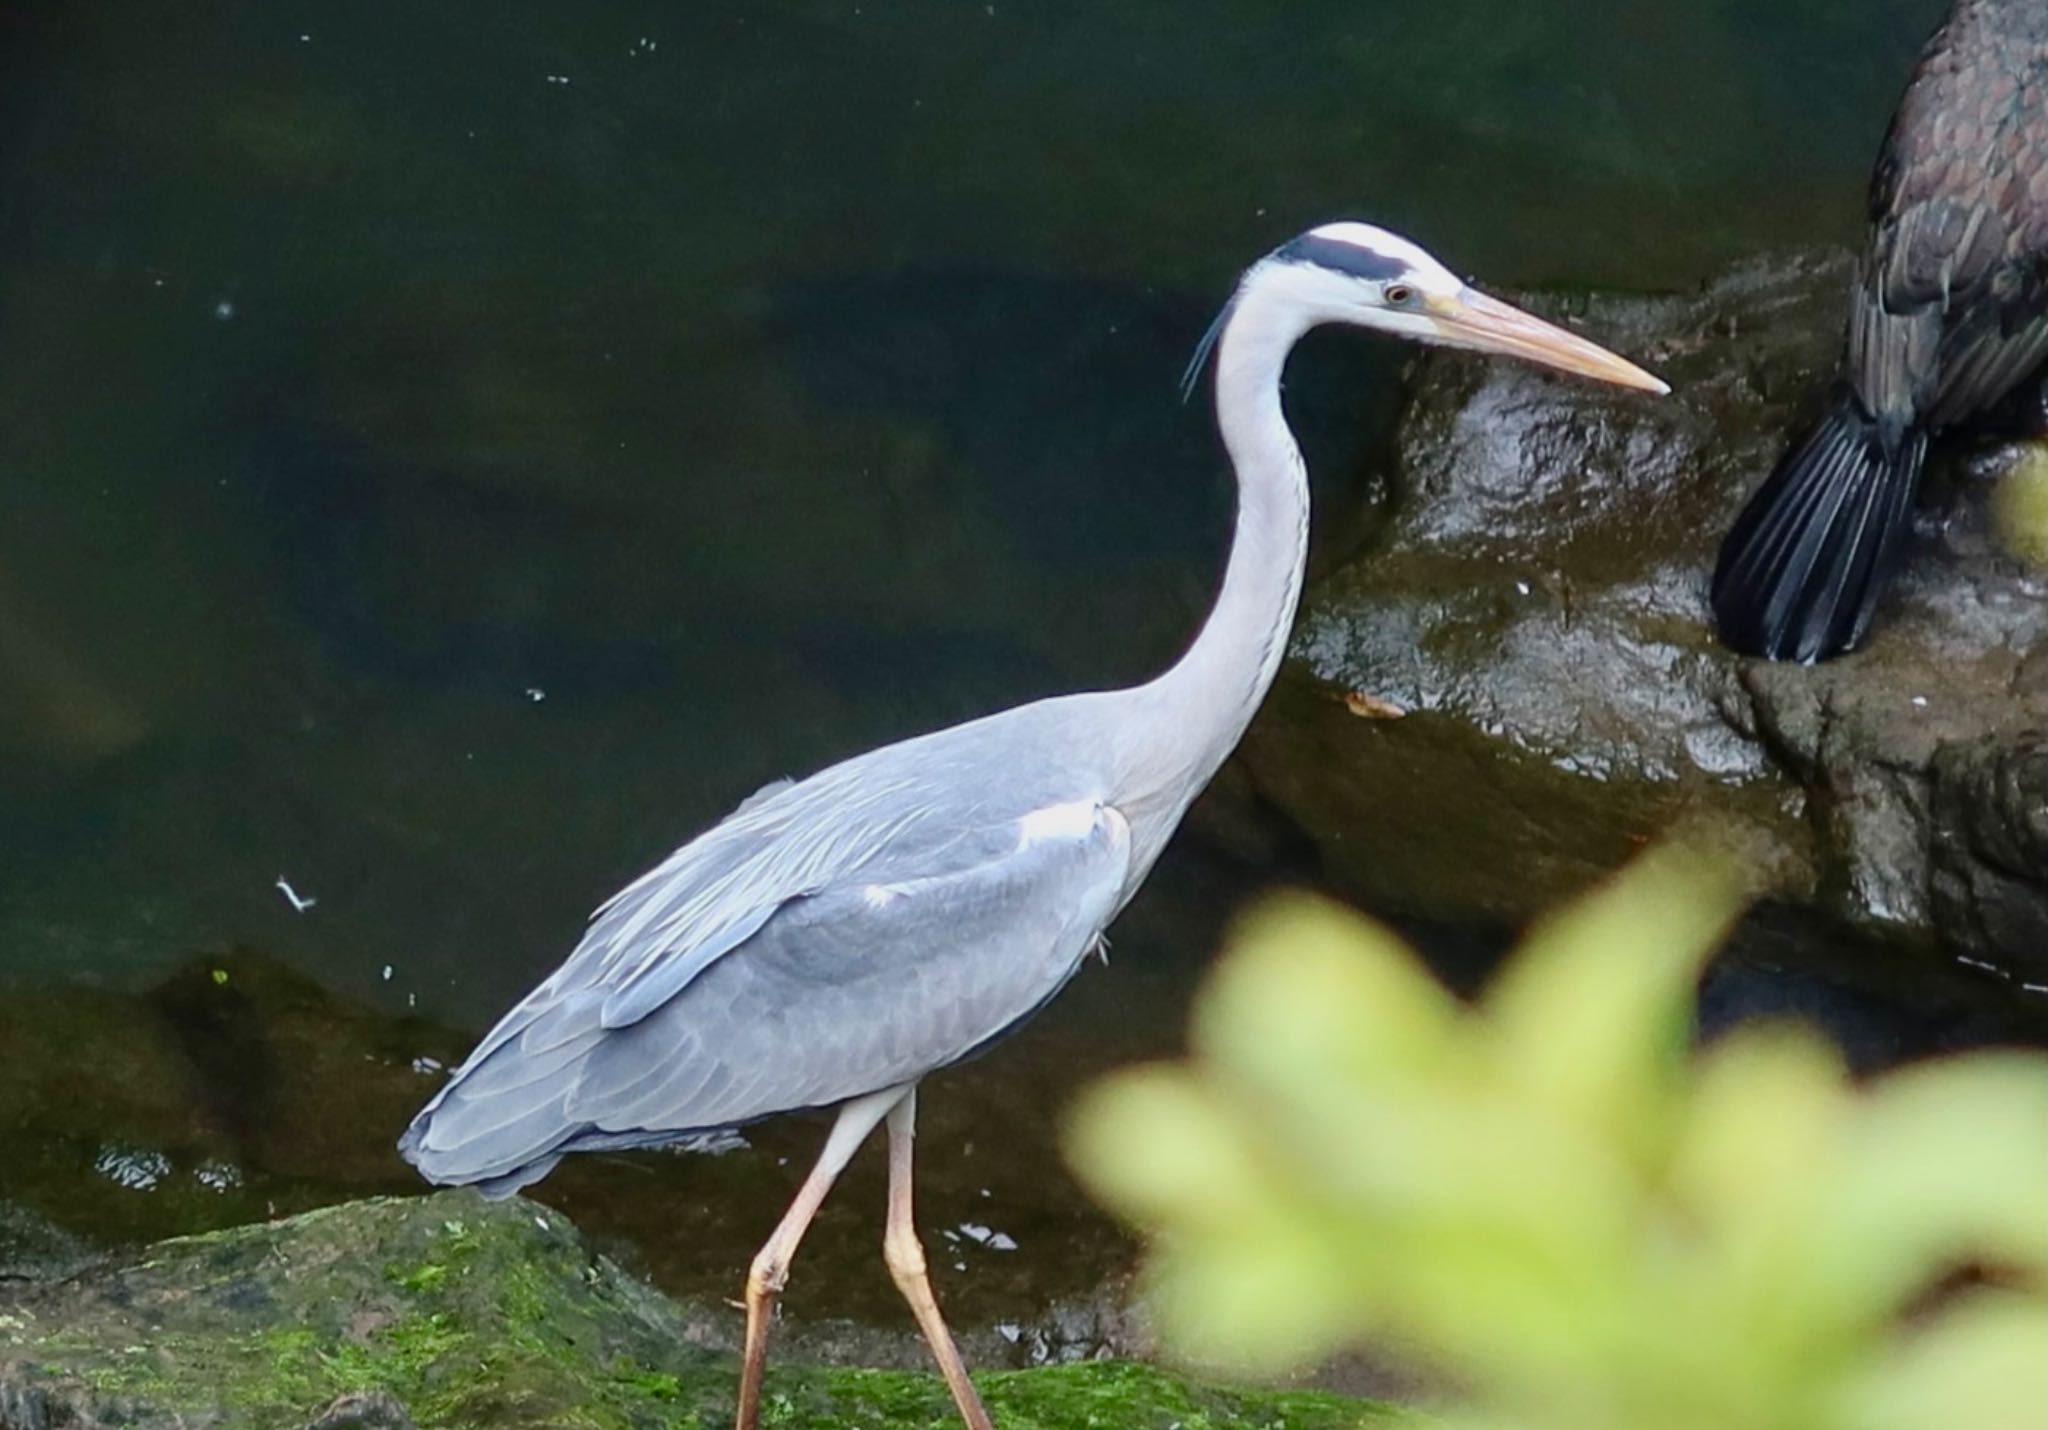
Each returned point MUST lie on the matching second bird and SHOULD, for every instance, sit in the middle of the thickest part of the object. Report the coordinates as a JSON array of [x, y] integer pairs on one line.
[[1950, 315]]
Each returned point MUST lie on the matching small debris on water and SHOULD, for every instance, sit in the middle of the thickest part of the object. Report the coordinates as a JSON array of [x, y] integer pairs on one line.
[[535, 694], [1372, 707], [292, 896], [220, 1177], [1979, 963], [136, 1170], [426, 1066]]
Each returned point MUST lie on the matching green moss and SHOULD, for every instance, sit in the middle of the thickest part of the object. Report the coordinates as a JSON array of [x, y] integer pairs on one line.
[[419, 1278], [1069, 1397], [654, 1384], [499, 1316]]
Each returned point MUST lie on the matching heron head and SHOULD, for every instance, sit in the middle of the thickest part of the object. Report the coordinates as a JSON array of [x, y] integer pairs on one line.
[[1366, 277]]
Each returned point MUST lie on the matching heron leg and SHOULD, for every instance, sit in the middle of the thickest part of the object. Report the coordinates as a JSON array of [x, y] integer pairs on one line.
[[905, 1255], [766, 1277]]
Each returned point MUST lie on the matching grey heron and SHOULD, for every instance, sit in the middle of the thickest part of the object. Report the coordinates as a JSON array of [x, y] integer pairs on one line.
[[836, 939]]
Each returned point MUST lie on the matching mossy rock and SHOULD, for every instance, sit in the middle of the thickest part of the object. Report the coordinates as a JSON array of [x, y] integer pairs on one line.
[[451, 1311]]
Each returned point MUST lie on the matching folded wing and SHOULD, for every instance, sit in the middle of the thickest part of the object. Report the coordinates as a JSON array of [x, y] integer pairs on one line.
[[819, 987]]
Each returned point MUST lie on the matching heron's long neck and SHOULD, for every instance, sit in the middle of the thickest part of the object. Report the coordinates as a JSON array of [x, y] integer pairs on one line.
[[1201, 706]]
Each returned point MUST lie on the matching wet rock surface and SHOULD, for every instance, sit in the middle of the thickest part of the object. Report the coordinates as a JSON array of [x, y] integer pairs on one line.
[[1515, 682], [447, 1310]]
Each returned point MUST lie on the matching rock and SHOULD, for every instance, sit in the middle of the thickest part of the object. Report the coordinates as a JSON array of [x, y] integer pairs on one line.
[[312, 1083], [33, 1248], [1516, 683], [373, 1410], [449, 1310], [23, 1409], [105, 1127], [236, 1088]]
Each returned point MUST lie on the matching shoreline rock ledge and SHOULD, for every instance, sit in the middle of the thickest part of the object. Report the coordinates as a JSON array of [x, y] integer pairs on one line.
[[1514, 682], [449, 1311]]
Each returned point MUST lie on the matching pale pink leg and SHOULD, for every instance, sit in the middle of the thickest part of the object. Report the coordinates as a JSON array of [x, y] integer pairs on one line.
[[905, 1255], [770, 1270]]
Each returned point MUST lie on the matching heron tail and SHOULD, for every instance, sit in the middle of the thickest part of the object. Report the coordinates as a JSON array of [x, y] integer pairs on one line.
[[1802, 568], [502, 1120], [488, 1167]]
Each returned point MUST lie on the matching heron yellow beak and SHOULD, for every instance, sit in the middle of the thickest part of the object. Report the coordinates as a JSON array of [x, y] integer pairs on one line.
[[1473, 320]]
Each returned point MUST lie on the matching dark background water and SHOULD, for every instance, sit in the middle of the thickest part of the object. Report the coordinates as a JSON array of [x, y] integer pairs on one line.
[[450, 453]]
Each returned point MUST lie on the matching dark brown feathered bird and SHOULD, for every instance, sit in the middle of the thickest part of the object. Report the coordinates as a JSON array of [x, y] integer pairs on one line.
[[1949, 316]]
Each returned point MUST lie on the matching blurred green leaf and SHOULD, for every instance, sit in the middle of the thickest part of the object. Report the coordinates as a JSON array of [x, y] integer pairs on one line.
[[1549, 1201], [1943, 1163], [1156, 1145], [1311, 991], [1617, 969], [1984, 1363], [2019, 507]]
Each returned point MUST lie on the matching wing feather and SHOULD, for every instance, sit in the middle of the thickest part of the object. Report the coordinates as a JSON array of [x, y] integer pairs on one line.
[[655, 981], [766, 971]]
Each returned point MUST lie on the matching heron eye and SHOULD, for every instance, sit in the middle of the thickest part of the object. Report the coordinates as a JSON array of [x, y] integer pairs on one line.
[[1398, 295]]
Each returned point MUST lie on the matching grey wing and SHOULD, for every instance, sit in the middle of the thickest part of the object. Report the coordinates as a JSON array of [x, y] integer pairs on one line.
[[858, 985], [647, 941]]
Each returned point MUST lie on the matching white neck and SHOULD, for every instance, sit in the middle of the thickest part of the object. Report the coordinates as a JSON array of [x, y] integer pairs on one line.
[[1199, 709]]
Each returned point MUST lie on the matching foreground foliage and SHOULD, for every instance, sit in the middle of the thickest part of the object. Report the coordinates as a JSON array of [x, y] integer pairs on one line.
[[1551, 1204]]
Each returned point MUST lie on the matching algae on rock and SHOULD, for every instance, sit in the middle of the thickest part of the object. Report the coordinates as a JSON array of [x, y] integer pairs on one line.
[[452, 1311]]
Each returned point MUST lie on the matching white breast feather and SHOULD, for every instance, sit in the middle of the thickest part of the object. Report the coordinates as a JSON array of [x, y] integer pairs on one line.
[[1071, 821]]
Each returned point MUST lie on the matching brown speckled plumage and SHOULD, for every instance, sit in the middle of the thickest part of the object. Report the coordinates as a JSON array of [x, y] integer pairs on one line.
[[1952, 310], [1949, 316]]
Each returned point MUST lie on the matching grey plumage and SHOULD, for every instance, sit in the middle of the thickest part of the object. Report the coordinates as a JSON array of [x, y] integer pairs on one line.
[[835, 939], [890, 915], [850, 932]]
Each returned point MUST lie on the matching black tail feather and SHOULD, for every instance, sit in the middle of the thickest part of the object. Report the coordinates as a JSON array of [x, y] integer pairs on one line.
[[1802, 568]]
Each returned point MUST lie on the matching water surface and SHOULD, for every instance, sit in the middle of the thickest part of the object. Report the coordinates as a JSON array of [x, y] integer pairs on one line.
[[455, 452]]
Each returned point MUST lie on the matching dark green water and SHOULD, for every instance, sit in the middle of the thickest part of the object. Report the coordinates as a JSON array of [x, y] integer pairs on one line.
[[453, 452]]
